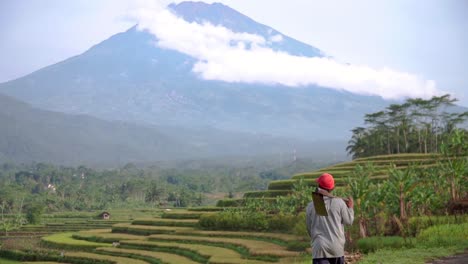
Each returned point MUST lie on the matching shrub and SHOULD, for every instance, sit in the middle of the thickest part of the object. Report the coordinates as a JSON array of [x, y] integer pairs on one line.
[[371, 244], [269, 193], [181, 215], [300, 228], [416, 224], [281, 222], [230, 220], [48, 256], [205, 209], [230, 203], [34, 213], [298, 245], [445, 236]]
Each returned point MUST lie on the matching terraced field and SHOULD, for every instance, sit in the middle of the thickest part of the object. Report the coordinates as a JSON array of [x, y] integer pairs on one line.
[[342, 170], [171, 237]]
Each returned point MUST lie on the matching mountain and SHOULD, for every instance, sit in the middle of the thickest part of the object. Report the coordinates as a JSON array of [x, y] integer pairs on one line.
[[29, 134], [128, 78]]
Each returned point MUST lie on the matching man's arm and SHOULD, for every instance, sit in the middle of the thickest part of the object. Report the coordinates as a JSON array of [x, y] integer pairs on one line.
[[347, 213], [308, 220]]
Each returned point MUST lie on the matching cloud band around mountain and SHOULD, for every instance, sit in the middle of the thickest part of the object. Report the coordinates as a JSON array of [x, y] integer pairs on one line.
[[242, 57]]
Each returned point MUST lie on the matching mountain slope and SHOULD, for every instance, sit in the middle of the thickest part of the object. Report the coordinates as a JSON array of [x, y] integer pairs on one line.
[[28, 134], [127, 77]]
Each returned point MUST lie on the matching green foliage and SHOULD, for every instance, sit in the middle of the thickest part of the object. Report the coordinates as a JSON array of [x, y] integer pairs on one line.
[[371, 244], [455, 149], [179, 215], [417, 255], [282, 222], [205, 209], [48, 256], [451, 235], [416, 224], [66, 241], [60, 188], [229, 202], [34, 213], [300, 246], [234, 220], [300, 228], [416, 126]]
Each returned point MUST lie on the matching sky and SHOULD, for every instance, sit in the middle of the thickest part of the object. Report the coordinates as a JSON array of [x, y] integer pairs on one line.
[[389, 48]]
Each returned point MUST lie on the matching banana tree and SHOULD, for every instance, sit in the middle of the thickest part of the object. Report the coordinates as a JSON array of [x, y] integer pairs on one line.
[[359, 187], [399, 188]]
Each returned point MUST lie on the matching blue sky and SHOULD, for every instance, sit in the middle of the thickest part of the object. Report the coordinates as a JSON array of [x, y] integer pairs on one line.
[[427, 39]]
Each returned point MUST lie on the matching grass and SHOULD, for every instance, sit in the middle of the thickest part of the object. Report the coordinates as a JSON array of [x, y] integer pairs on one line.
[[66, 240], [105, 235], [432, 243], [450, 235], [7, 261], [146, 229], [215, 254], [284, 238], [417, 255], [371, 244], [94, 256], [162, 256], [36, 262], [166, 222], [254, 247]]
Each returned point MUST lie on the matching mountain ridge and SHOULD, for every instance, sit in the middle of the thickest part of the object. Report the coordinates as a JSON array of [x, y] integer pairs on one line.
[[126, 78]]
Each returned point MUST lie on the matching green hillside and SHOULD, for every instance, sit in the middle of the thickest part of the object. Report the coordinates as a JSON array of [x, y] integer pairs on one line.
[[341, 171]]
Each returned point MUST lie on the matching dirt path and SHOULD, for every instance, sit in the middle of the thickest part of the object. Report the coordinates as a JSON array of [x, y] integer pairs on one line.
[[456, 259]]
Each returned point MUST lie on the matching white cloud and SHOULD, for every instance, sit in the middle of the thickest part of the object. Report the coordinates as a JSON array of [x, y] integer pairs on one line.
[[242, 57]]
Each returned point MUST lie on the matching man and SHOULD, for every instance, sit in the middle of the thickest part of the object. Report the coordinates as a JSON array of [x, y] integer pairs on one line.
[[327, 232]]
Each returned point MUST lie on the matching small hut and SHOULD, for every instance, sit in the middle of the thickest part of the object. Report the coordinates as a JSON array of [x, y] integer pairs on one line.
[[104, 215]]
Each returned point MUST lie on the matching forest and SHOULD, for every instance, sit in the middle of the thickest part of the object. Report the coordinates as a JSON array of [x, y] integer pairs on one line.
[[415, 126]]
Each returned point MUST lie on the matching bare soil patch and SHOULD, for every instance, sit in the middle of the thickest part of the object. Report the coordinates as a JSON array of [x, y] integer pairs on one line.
[[455, 259]]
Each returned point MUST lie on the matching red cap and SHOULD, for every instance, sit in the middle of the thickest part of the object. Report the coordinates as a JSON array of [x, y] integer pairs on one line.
[[326, 181]]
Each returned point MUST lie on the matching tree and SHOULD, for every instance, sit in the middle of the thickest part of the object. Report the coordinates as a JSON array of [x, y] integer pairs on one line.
[[11, 215], [418, 125], [359, 186], [455, 166], [34, 212], [399, 187]]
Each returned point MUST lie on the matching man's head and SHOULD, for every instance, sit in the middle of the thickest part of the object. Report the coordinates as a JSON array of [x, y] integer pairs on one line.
[[326, 181]]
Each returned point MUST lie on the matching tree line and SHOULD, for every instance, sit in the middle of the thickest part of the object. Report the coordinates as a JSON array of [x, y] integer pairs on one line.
[[415, 126]]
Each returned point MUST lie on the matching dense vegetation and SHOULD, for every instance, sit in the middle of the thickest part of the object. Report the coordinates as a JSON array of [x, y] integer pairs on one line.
[[27, 191], [416, 126], [402, 202]]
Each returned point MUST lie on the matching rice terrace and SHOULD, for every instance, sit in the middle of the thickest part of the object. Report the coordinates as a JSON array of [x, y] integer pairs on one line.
[[180, 132], [243, 234]]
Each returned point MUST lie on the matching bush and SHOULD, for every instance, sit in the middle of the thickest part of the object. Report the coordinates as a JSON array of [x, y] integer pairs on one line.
[[231, 220], [34, 213], [230, 203], [300, 228], [371, 244], [270, 193], [205, 209], [298, 245], [181, 215], [416, 224], [281, 222], [48, 256], [444, 236], [245, 220]]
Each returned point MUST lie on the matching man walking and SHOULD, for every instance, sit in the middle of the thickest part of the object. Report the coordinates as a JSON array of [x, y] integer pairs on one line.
[[327, 232]]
